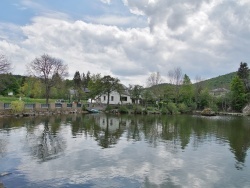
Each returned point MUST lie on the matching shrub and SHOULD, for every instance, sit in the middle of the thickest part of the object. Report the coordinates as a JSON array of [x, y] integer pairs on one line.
[[137, 109], [183, 108], [172, 108], [123, 109], [17, 106], [164, 111]]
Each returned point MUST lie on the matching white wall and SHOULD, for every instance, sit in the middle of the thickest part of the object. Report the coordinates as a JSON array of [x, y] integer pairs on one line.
[[116, 98]]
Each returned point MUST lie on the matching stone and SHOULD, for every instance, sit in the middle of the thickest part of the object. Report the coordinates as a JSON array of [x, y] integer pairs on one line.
[[246, 110]]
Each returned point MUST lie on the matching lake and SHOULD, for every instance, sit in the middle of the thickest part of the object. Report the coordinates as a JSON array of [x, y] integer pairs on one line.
[[103, 151]]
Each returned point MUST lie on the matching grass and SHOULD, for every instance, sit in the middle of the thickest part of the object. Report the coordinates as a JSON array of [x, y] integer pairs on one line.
[[25, 99]]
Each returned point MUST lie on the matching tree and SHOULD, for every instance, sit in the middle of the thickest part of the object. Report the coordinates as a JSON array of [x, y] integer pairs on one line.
[[243, 73], [153, 81], [5, 65], [186, 90], [48, 69], [238, 95], [95, 86], [8, 83], [175, 78], [109, 84], [78, 85], [135, 92]]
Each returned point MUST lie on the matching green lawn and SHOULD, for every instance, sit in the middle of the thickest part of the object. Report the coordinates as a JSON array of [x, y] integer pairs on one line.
[[26, 100]]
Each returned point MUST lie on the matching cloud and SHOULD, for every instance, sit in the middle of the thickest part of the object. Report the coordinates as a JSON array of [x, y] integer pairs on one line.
[[206, 38]]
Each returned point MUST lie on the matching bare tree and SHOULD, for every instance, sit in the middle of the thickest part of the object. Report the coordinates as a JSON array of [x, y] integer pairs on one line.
[[48, 69], [175, 78], [5, 65], [154, 79]]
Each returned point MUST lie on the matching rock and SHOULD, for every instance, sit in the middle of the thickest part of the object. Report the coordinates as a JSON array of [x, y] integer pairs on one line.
[[208, 112], [246, 110]]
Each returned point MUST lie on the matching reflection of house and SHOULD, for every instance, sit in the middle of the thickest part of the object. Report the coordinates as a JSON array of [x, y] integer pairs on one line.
[[219, 92], [116, 98]]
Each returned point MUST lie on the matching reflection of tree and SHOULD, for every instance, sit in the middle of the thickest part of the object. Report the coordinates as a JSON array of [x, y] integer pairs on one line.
[[3, 145], [239, 142], [46, 145]]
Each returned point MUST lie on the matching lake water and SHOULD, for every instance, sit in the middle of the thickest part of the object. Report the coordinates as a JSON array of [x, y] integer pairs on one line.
[[125, 151]]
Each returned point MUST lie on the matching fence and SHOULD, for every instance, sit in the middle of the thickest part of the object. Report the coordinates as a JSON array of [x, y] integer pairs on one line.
[[51, 106]]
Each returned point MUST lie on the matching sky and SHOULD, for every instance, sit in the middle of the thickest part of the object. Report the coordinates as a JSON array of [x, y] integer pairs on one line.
[[128, 39]]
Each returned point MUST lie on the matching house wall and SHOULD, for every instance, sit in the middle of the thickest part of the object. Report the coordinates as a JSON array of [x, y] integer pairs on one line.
[[114, 98]]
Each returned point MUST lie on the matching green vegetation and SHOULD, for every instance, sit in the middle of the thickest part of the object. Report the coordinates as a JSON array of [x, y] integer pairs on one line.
[[17, 106], [180, 95]]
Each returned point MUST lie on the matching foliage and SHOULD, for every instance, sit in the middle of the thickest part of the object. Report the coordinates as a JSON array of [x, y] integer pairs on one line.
[[109, 84], [243, 73], [8, 83], [95, 86], [137, 109], [186, 91], [183, 108], [32, 87], [135, 92], [17, 106], [238, 96], [172, 108], [222, 81], [123, 109]]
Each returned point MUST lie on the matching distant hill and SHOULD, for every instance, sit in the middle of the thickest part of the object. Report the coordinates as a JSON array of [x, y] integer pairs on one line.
[[223, 81], [220, 81]]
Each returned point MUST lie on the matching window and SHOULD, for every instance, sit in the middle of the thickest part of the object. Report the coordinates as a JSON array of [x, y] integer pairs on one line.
[[112, 98], [124, 98], [104, 98]]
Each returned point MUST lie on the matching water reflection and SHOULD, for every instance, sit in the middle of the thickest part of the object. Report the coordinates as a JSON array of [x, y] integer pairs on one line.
[[129, 151], [45, 144]]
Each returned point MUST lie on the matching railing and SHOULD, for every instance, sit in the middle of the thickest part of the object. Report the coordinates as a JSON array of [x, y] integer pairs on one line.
[[69, 105], [29, 106], [45, 105], [58, 105], [7, 106]]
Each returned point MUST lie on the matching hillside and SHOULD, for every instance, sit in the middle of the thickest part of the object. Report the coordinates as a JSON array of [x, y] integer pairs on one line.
[[220, 81]]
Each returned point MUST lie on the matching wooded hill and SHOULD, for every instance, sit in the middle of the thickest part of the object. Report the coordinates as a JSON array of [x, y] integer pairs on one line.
[[223, 81]]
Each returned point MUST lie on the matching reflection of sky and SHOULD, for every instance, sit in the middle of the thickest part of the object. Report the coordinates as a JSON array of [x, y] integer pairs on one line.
[[127, 164]]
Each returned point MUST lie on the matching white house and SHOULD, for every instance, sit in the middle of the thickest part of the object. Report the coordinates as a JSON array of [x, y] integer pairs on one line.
[[116, 98]]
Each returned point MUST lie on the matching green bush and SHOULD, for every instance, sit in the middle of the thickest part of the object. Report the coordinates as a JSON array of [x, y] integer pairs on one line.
[[137, 109], [164, 111], [183, 108], [172, 108], [17, 106], [123, 109]]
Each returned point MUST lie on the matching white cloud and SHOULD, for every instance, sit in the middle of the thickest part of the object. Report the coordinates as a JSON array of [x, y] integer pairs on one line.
[[206, 38]]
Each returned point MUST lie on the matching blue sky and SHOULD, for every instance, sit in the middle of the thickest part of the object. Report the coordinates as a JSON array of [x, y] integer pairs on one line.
[[128, 39]]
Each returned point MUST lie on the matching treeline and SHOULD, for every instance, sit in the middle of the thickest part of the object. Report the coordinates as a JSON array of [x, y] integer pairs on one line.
[[180, 95]]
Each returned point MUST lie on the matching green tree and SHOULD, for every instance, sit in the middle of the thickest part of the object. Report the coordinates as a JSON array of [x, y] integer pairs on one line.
[[8, 83], [243, 73], [32, 87], [95, 86], [135, 92], [109, 84], [238, 95], [186, 90]]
